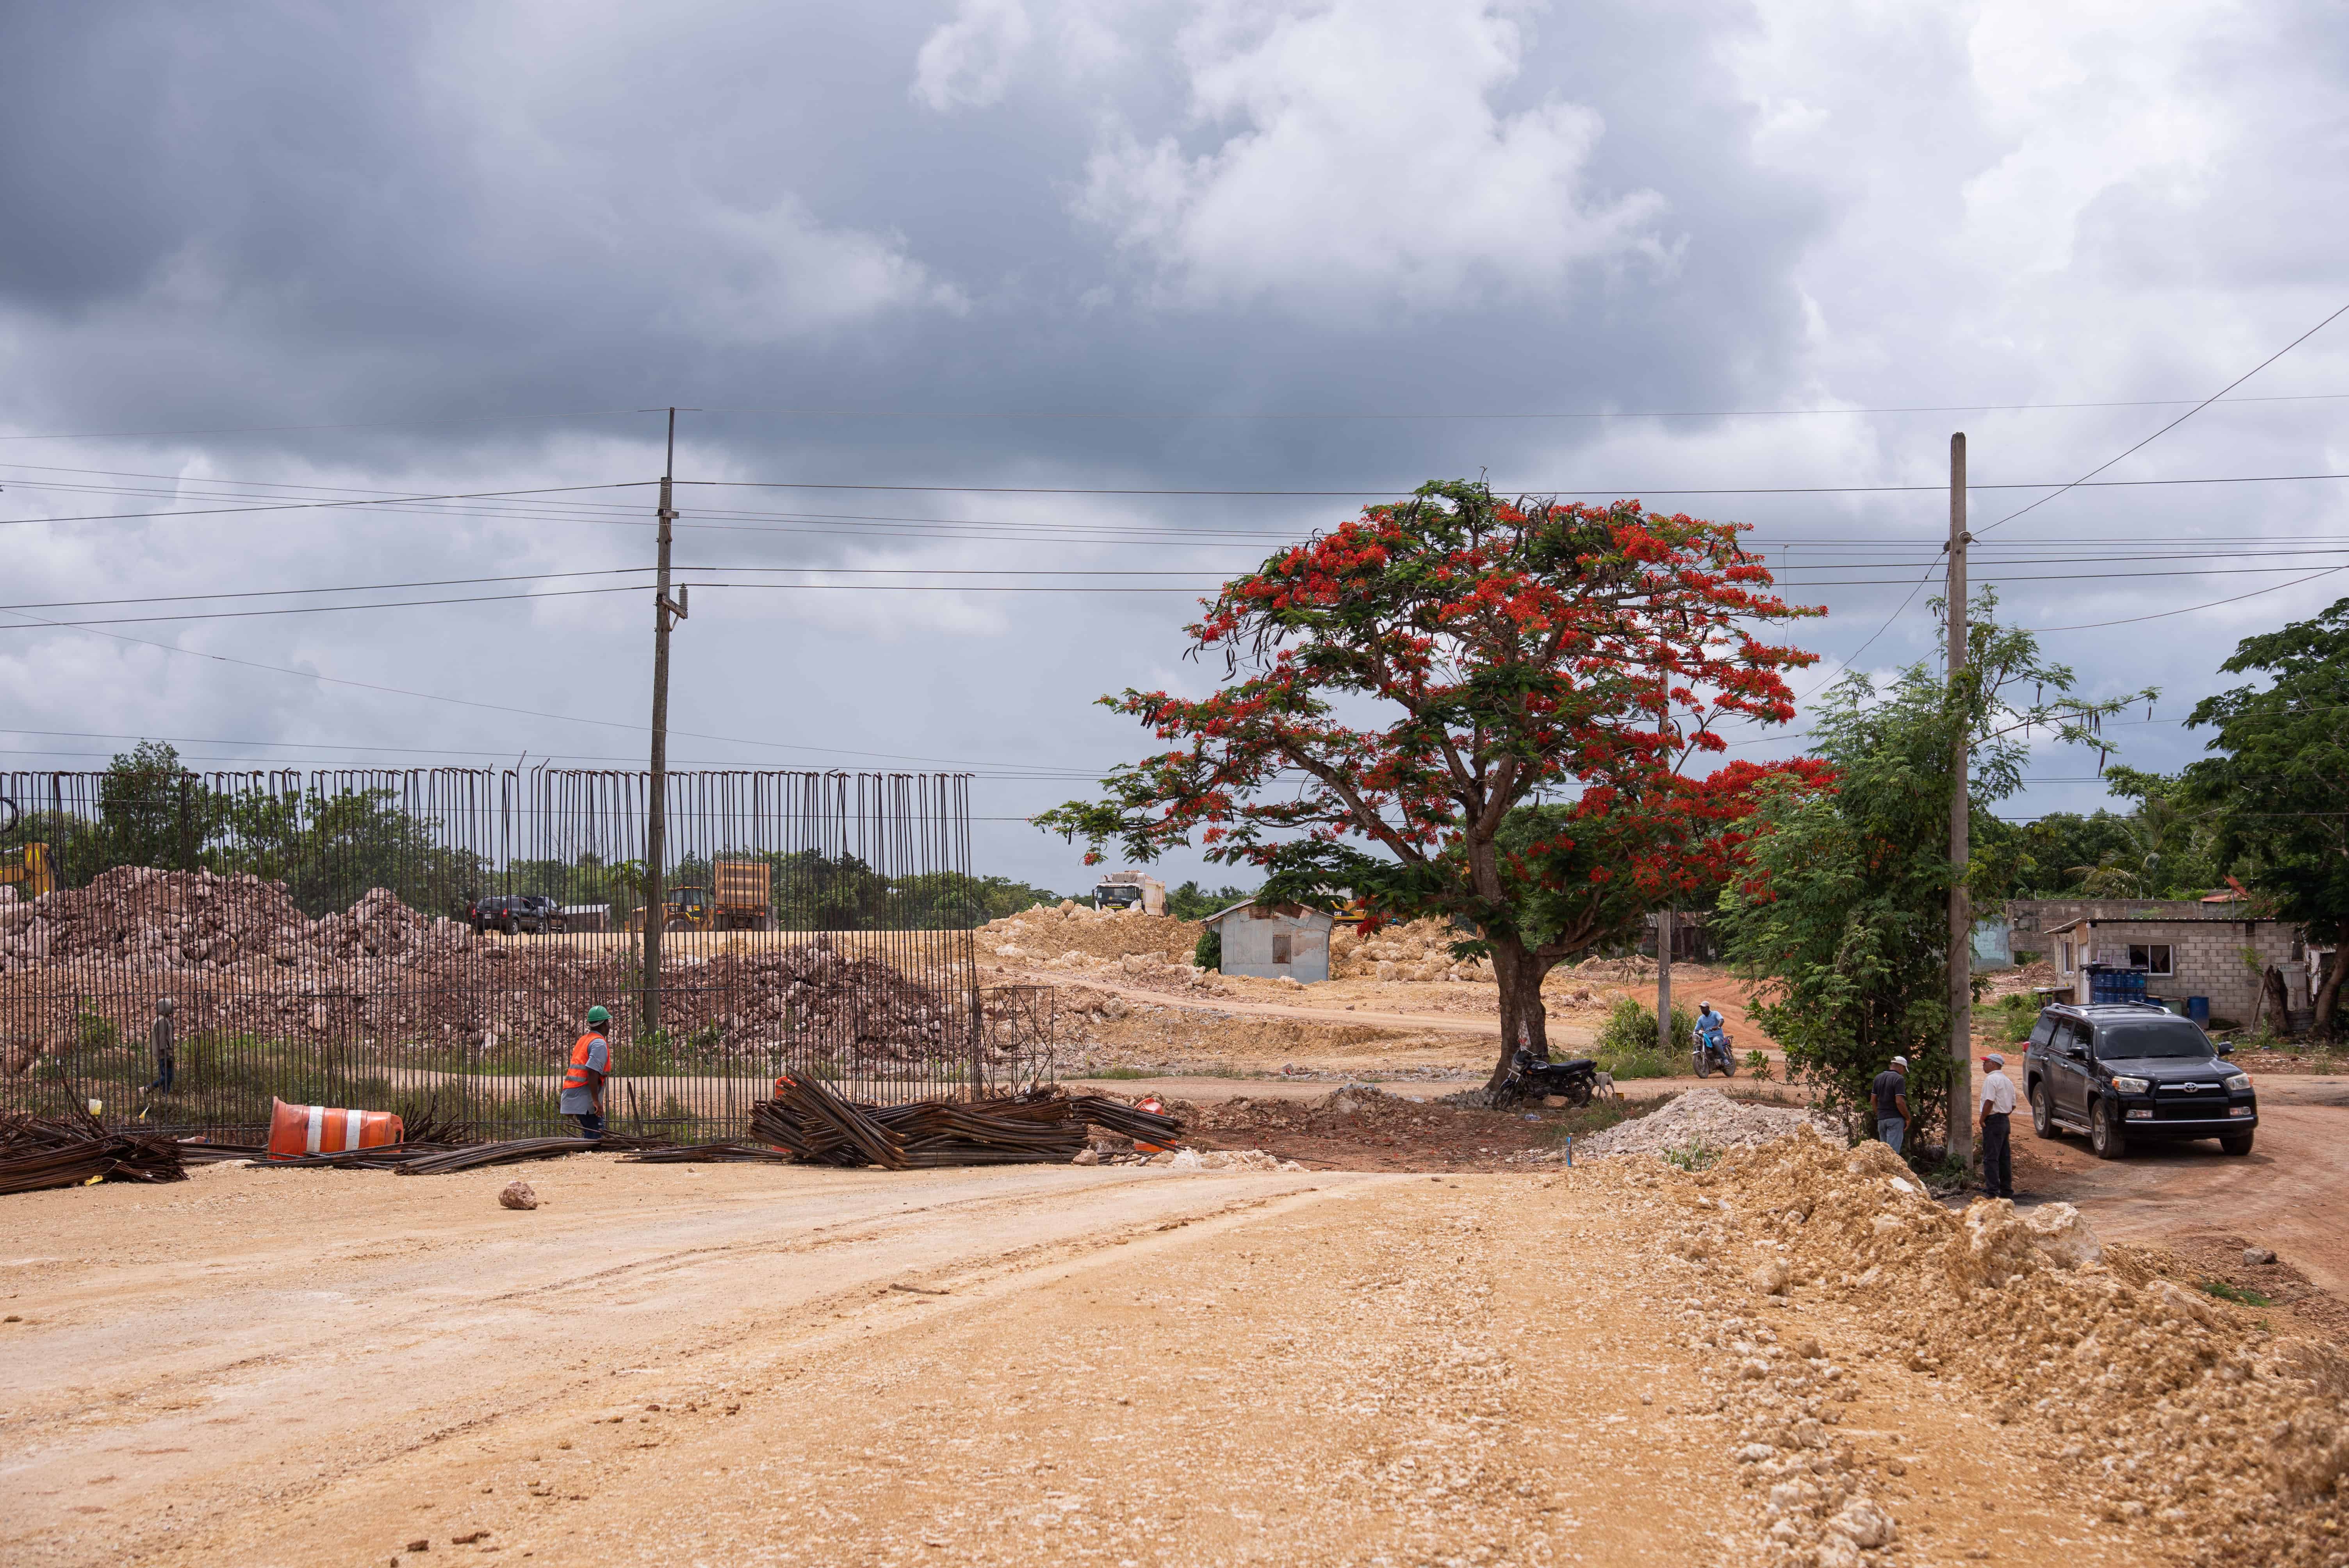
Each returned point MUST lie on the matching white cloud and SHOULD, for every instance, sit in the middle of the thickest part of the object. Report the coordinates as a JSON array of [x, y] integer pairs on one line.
[[775, 273], [967, 63], [1369, 164]]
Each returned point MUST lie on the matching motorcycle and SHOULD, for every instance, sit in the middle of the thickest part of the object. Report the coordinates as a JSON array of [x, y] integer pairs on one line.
[[1712, 1054], [1532, 1077]]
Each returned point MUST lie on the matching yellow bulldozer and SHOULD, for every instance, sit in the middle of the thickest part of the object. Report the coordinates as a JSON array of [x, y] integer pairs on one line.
[[741, 897]]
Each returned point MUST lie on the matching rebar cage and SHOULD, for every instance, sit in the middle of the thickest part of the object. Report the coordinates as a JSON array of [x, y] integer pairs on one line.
[[433, 939]]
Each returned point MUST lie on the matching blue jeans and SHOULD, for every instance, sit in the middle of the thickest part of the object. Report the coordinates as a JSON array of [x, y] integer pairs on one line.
[[590, 1125], [1892, 1129]]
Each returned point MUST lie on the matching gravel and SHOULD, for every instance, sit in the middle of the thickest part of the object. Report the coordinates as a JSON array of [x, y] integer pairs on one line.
[[1707, 1117]]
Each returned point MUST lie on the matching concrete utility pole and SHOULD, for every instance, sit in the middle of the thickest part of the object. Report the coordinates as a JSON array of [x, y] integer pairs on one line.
[[1961, 923], [1665, 1044], [665, 609]]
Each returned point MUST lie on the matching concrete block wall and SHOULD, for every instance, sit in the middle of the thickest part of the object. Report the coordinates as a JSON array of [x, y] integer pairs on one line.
[[2207, 957]]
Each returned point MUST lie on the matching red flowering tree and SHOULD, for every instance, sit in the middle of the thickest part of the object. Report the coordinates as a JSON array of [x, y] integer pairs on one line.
[[1479, 709]]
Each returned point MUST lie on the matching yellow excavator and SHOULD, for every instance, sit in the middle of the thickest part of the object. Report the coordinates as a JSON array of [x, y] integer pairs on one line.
[[27, 867], [28, 870]]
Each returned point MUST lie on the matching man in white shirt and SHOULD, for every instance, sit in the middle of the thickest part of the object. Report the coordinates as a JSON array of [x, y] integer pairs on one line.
[[1997, 1109]]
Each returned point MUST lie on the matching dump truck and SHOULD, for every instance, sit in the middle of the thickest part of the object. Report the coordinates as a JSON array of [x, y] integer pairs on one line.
[[740, 897], [1131, 890]]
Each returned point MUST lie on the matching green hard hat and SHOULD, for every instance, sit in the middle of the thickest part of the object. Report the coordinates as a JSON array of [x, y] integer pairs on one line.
[[597, 1015]]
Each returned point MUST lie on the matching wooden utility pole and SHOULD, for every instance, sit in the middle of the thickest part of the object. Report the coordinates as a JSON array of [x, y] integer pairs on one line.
[[1961, 923], [665, 610]]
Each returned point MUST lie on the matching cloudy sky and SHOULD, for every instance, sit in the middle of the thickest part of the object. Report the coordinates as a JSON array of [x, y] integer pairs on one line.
[[1036, 264]]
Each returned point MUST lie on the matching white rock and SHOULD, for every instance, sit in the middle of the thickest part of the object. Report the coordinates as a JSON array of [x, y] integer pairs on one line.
[[2062, 1235]]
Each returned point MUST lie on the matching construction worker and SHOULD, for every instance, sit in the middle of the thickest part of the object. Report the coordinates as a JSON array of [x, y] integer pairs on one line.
[[582, 1085], [167, 1055]]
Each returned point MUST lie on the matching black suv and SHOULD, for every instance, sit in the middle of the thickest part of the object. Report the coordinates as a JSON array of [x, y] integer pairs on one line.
[[2118, 1071], [511, 913]]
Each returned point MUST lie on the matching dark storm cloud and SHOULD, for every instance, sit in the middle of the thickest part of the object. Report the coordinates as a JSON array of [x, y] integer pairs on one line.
[[477, 236]]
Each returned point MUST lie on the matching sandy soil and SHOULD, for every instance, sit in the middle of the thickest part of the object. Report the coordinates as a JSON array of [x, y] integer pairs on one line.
[[2283, 1195], [1026, 1366]]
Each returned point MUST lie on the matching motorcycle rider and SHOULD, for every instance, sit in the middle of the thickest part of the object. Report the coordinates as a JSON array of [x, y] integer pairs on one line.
[[1712, 1031]]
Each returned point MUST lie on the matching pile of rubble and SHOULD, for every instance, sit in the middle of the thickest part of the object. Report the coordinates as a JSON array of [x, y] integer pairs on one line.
[[1070, 936], [1703, 1121], [238, 958], [139, 920], [1419, 950], [2197, 1419]]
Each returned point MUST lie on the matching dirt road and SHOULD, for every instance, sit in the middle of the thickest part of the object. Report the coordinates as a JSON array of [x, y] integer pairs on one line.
[[750, 1365], [2281, 1196]]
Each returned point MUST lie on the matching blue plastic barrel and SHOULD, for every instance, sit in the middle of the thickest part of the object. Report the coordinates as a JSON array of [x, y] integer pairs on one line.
[[2198, 1009]]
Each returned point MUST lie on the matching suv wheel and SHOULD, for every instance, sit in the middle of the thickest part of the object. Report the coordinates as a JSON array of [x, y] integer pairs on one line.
[[2241, 1143], [2043, 1111], [2104, 1135]]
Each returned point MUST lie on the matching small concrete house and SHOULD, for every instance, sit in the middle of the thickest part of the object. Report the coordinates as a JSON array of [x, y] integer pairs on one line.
[[1274, 941], [2184, 957]]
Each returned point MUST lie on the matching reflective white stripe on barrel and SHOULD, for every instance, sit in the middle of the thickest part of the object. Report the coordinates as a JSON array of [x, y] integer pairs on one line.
[[351, 1128], [317, 1128]]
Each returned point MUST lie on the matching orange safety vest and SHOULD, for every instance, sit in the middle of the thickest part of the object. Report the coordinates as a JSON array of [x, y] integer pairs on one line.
[[581, 1075]]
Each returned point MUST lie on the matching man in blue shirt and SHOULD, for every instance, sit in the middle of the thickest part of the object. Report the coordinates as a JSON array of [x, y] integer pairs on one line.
[[1891, 1093]]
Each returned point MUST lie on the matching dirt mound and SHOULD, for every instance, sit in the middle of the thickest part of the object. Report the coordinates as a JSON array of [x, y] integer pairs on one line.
[[153, 920], [239, 958], [1071, 936], [2202, 1422], [1703, 1119], [1415, 950]]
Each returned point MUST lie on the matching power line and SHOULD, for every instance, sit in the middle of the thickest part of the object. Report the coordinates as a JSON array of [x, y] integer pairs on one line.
[[1619, 491], [2190, 413], [2164, 614]]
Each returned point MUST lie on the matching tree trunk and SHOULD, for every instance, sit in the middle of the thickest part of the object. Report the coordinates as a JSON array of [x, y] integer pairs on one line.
[[1519, 975], [2328, 993]]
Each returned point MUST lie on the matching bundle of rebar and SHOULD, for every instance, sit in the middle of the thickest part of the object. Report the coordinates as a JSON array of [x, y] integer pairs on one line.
[[819, 1127], [515, 1150], [1130, 1121], [37, 1153], [721, 1152]]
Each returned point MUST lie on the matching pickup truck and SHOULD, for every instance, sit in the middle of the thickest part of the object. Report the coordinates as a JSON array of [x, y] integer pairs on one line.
[[2122, 1072]]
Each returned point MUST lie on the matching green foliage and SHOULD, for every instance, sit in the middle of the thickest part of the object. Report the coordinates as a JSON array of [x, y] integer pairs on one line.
[[1409, 696], [2238, 1295], [1844, 917], [1208, 953], [2010, 1018], [1122, 1074], [1757, 1065], [1630, 1067], [1192, 902], [2277, 785], [1630, 1029], [1696, 1154], [94, 1032]]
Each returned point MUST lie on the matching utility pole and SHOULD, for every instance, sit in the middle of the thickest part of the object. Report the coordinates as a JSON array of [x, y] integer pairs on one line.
[[1962, 923], [665, 610], [1665, 1044]]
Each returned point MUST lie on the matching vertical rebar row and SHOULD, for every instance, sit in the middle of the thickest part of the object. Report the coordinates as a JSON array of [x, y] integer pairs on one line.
[[831, 936]]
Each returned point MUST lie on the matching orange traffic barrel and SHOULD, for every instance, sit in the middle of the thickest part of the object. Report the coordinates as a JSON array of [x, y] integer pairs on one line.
[[297, 1130], [1156, 1106]]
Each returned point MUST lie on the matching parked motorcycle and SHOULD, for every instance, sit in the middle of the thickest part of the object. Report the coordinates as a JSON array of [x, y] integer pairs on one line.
[[1532, 1078]]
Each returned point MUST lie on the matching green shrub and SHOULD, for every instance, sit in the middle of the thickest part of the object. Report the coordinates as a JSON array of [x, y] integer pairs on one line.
[[1757, 1065], [1209, 952], [2235, 1294], [1631, 1029], [1633, 1064]]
